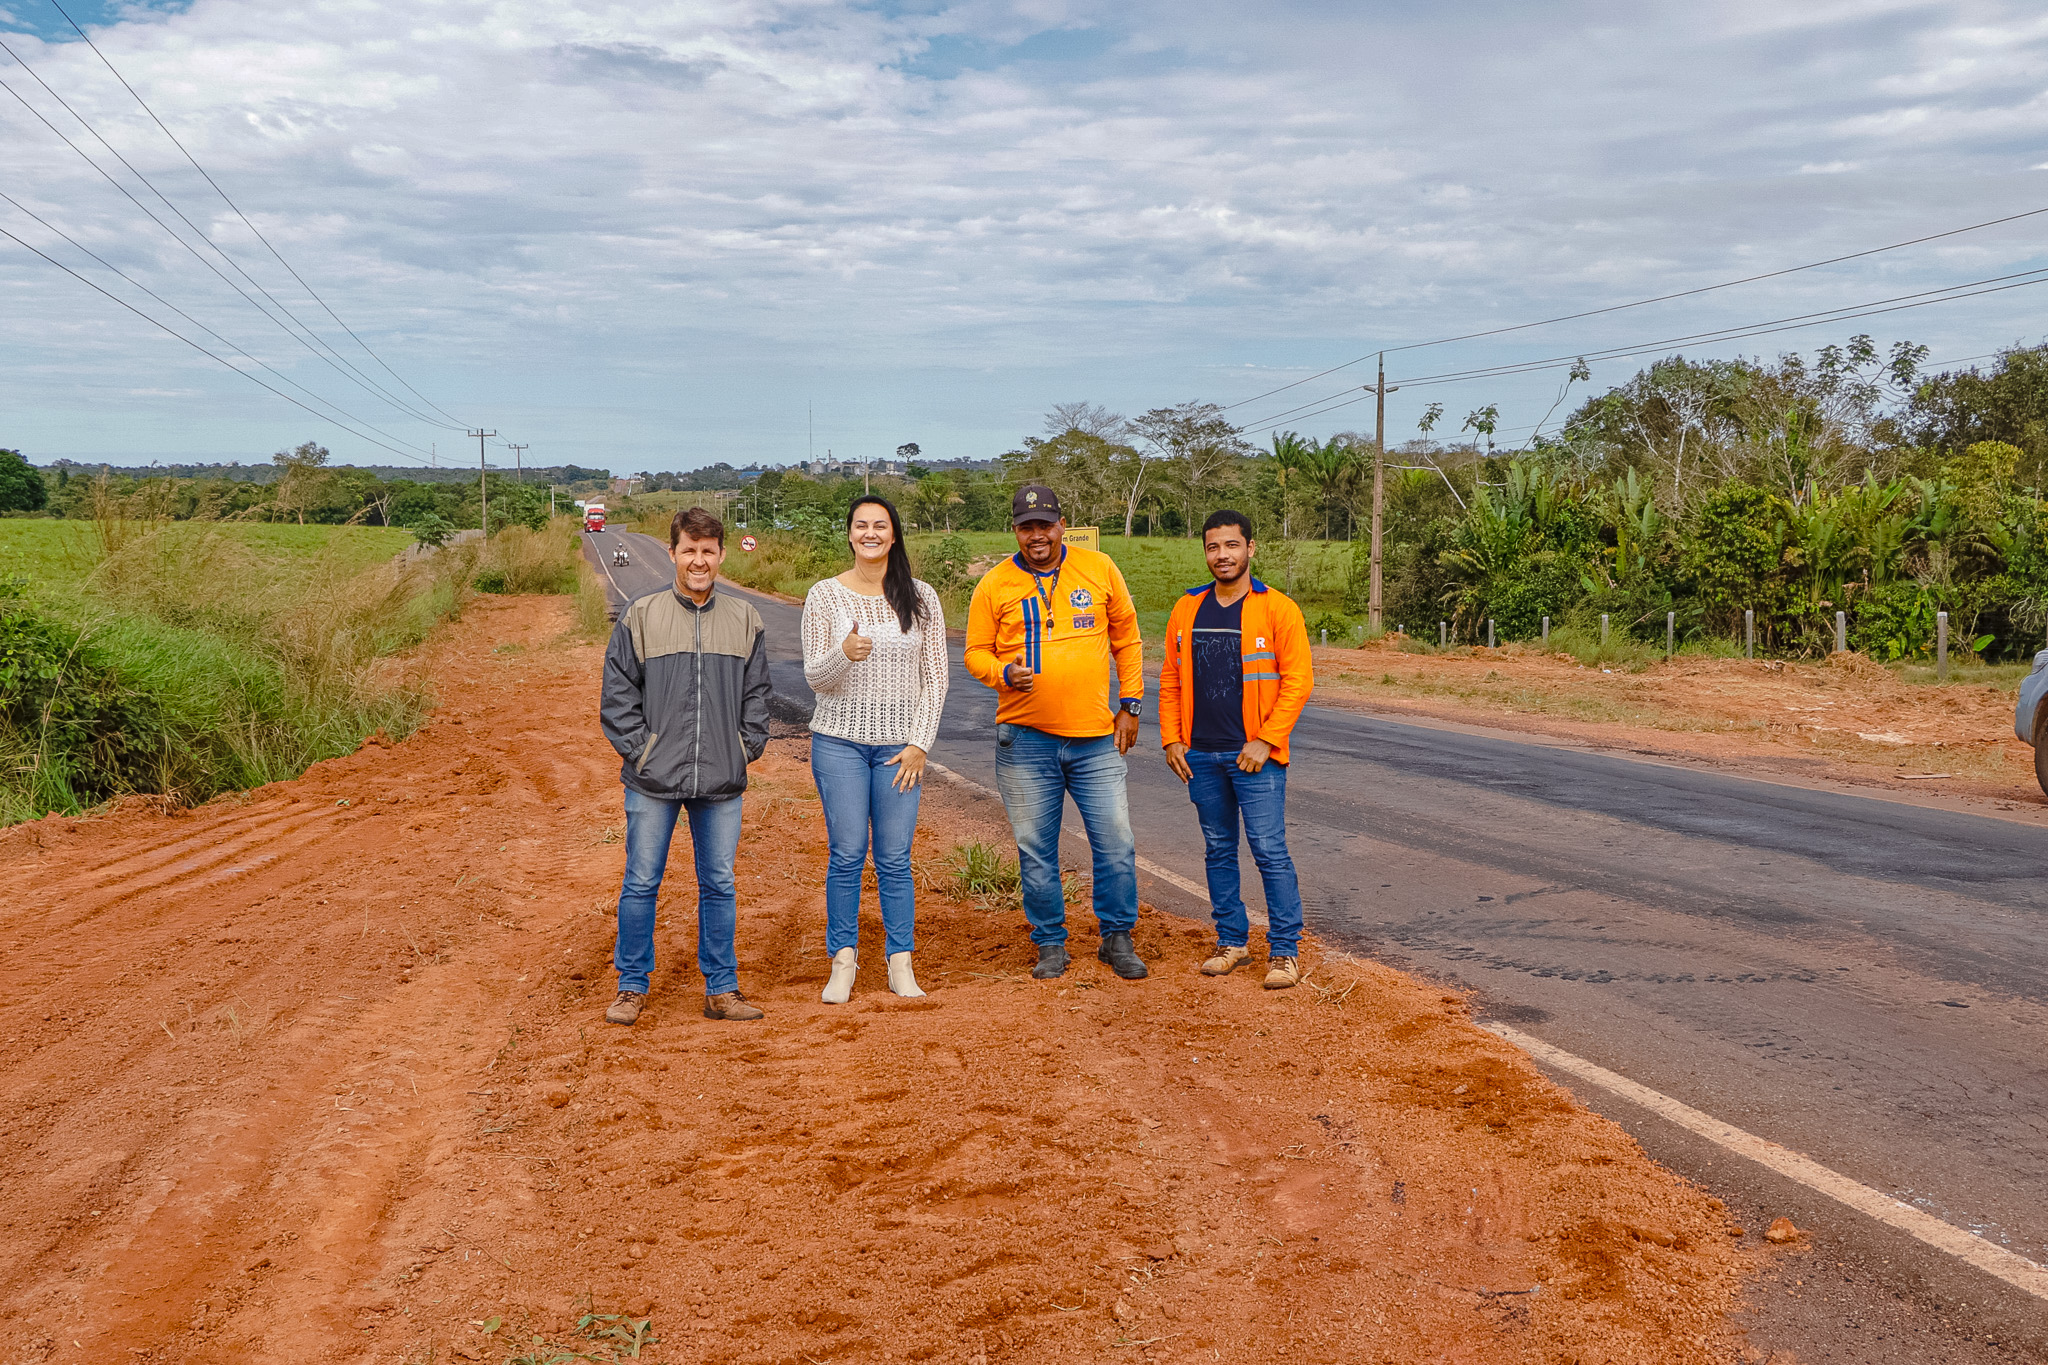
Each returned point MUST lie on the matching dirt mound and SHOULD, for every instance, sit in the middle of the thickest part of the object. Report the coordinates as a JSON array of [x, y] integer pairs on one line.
[[321, 1075]]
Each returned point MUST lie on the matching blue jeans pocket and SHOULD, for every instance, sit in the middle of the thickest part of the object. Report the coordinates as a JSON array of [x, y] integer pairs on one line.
[[1006, 734]]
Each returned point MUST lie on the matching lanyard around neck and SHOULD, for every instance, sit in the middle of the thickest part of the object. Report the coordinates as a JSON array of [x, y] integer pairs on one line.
[[1045, 590]]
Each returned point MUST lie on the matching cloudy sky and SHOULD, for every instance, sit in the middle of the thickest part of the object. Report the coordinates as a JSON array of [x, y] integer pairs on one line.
[[647, 236]]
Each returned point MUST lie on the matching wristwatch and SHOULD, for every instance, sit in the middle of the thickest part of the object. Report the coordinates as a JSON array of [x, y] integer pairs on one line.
[[1130, 706]]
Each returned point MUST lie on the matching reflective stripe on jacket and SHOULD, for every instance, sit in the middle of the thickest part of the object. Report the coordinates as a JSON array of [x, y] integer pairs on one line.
[[686, 694], [1278, 671]]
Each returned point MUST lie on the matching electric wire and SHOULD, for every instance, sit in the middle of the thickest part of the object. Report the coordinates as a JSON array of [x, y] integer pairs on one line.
[[304, 335], [1727, 334], [1641, 303], [155, 322], [137, 284], [174, 236], [245, 218], [1336, 402]]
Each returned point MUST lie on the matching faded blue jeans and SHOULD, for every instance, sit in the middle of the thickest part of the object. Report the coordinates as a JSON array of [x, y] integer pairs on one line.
[[1223, 796], [1035, 773], [858, 789], [715, 842]]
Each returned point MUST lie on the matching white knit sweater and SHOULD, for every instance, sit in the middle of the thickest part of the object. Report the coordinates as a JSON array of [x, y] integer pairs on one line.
[[893, 696]]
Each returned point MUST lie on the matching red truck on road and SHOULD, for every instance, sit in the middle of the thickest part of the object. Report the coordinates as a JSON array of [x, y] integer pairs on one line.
[[593, 516]]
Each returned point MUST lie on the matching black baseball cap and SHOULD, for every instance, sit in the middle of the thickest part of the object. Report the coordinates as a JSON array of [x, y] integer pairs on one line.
[[1034, 502]]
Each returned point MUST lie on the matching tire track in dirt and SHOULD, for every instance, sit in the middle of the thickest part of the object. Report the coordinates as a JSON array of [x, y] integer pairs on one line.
[[349, 1101]]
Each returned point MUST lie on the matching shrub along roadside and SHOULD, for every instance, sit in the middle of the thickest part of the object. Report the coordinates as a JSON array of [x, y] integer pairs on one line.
[[185, 665]]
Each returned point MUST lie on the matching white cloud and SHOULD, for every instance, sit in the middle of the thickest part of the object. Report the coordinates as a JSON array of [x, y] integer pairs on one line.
[[643, 236]]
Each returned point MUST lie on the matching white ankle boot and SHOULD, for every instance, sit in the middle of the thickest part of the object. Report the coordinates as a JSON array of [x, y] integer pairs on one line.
[[839, 989], [901, 979]]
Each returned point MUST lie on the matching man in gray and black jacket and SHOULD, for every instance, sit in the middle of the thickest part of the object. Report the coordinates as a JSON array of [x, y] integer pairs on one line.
[[686, 705]]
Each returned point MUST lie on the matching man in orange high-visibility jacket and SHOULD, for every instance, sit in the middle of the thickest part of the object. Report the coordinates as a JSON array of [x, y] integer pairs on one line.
[[1042, 630], [1236, 676]]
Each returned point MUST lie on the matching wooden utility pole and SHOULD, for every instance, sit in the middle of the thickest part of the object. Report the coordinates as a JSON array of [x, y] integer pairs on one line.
[[483, 489], [518, 464], [1375, 603]]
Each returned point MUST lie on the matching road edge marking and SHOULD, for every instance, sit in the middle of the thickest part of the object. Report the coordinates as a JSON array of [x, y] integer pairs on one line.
[[1145, 865], [2014, 1269], [2011, 1267]]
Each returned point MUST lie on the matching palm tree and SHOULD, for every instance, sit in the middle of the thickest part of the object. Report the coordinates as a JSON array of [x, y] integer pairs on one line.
[[1333, 467], [1290, 455]]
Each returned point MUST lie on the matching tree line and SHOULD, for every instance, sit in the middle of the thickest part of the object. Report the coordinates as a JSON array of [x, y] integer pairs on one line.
[[1790, 488]]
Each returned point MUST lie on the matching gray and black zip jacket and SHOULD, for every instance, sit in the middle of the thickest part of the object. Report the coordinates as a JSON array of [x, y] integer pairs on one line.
[[686, 695]]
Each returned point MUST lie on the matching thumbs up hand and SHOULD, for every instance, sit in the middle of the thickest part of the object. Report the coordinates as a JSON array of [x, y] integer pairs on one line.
[[856, 646]]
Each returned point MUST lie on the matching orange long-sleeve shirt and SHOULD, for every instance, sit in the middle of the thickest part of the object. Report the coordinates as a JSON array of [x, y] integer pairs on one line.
[[1066, 627]]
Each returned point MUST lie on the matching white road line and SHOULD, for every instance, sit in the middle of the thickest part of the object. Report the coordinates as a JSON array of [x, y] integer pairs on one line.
[[2015, 1270], [623, 599]]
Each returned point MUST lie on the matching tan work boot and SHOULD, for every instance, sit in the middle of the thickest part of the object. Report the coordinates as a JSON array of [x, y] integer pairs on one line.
[[626, 1008], [1282, 972], [730, 1005], [1228, 958]]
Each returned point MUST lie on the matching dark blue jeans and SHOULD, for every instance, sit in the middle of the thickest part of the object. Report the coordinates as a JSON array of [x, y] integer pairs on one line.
[[858, 789], [715, 840], [1036, 773], [1223, 796]]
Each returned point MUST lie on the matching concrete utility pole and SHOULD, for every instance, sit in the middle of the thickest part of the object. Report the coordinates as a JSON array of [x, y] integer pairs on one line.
[[1375, 616], [518, 468], [483, 489]]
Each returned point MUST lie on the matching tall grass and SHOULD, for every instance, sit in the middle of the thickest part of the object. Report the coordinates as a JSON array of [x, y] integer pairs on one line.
[[519, 560], [184, 665]]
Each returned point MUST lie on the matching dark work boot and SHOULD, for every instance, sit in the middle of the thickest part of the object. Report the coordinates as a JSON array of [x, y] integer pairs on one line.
[[1122, 958], [1052, 962]]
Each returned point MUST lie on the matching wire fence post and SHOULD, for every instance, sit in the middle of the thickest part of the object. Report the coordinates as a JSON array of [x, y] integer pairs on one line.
[[1546, 630], [1841, 632], [1443, 634], [1749, 632], [1670, 634], [1603, 627], [1489, 632], [1326, 635], [1941, 646]]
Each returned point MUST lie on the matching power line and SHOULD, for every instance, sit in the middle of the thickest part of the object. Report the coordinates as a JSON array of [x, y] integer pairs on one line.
[[1640, 303], [1898, 303], [245, 217], [137, 284], [154, 322], [310, 339]]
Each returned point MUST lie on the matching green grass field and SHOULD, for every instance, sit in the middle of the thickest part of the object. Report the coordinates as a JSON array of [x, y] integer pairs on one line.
[[54, 555]]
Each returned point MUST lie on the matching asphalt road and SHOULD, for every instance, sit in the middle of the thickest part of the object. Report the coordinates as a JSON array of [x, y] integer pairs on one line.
[[1859, 980]]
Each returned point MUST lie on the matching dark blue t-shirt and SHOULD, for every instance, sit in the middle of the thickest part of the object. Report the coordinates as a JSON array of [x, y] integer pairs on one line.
[[1218, 657]]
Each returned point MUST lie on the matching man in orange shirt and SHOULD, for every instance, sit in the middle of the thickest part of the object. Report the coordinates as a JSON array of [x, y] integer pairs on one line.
[[1236, 675], [1042, 630]]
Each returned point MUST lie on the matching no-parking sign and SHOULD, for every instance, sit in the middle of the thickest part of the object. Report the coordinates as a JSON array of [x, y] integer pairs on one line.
[[749, 543]]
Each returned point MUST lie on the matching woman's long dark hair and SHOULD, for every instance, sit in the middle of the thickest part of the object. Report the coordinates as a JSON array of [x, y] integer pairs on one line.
[[897, 585]]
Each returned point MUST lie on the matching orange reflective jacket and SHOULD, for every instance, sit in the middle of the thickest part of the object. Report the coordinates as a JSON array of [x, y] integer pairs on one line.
[[1278, 672]]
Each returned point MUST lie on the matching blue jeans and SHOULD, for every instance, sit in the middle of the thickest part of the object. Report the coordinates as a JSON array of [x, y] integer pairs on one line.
[[1035, 773], [859, 793], [715, 840], [1222, 795]]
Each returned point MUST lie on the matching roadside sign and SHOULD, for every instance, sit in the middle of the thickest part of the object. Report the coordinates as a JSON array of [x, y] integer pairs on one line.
[[749, 543], [1087, 537]]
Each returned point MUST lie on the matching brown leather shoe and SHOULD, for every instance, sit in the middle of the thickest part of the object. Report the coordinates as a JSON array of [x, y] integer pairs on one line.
[[1282, 972], [731, 1005], [626, 1008], [1227, 959]]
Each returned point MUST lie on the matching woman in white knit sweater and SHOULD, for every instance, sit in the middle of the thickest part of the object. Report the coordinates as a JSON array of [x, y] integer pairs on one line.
[[875, 654]]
